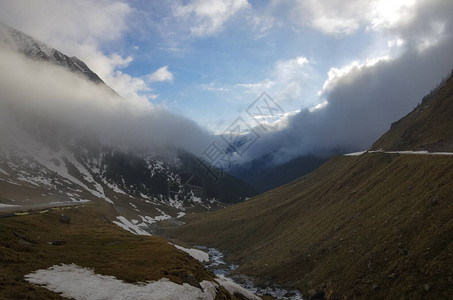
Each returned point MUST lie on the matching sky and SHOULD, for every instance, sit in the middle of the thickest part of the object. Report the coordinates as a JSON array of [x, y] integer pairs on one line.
[[340, 71]]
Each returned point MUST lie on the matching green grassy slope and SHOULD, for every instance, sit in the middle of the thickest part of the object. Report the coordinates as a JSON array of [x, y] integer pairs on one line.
[[429, 126], [372, 226]]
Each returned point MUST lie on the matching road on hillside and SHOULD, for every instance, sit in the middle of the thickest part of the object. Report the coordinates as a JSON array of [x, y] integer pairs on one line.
[[33, 209], [400, 152]]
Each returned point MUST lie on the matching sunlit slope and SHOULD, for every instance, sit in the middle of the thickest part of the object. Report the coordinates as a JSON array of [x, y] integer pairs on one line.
[[366, 226], [428, 127]]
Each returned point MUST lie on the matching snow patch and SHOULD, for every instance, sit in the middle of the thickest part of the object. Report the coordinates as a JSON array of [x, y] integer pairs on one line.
[[355, 153], [80, 283], [2, 205], [199, 255], [130, 226], [3, 171], [235, 288]]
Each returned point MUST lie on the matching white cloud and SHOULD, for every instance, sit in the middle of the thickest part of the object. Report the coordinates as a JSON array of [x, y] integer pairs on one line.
[[286, 80], [395, 43], [80, 28], [391, 14], [57, 22], [207, 17], [74, 105], [260, 23], [258, 87], [291, 69], [162, 74], [337, 17], [214, 87], [346, 74]]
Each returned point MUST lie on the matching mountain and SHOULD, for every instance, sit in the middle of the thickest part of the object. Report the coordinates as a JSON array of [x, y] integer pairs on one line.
[[375, 225], [428, 127], [263, 177], [79, 253], [18, 41], [78, 211], [52, 163]]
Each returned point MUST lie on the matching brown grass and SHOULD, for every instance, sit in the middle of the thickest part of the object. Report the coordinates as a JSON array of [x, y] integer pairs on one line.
[[90, 241], [358, 227]]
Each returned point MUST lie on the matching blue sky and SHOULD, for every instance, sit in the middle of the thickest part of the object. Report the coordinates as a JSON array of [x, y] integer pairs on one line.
[[213, 72], [341, 70], [215, 55]]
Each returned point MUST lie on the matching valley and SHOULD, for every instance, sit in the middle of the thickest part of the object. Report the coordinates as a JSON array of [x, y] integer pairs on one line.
[[122, 177], [362, 226]]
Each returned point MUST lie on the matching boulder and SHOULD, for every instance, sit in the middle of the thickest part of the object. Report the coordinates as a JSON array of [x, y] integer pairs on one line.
[[65, 219]]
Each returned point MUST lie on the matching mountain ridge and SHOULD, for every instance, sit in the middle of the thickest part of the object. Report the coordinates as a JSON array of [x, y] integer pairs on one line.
[[18, 41]]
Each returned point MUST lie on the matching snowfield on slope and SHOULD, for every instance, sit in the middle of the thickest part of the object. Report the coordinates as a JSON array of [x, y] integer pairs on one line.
[[80, 283], [83, 284], [199, 255]]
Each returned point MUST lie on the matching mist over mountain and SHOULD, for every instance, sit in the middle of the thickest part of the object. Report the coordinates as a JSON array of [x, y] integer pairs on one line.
[[35, 91], [62, 129], [353, 106]]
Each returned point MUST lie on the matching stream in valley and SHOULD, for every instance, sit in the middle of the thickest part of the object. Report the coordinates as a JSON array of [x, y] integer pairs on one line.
[[219, 266]]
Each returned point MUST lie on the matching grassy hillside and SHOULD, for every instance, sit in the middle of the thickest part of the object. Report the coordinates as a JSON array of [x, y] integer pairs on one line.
[[428, 127], [90, 240], [372, 226]]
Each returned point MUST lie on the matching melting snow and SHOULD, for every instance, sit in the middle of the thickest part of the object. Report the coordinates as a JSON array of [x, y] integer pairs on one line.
[[54, 161], [197, 199], [7, 205], [3, 171], [235, 288], [355, 153], [130, 226], [113, 187], [199, 255], [83, 284]]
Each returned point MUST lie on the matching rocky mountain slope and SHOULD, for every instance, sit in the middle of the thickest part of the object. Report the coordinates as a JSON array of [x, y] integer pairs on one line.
[[13, 39], [370, 226]]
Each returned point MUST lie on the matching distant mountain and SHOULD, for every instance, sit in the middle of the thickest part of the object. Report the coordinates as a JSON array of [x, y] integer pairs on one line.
[[428, 127], [57, 165], [263, 177], [370, 226]]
